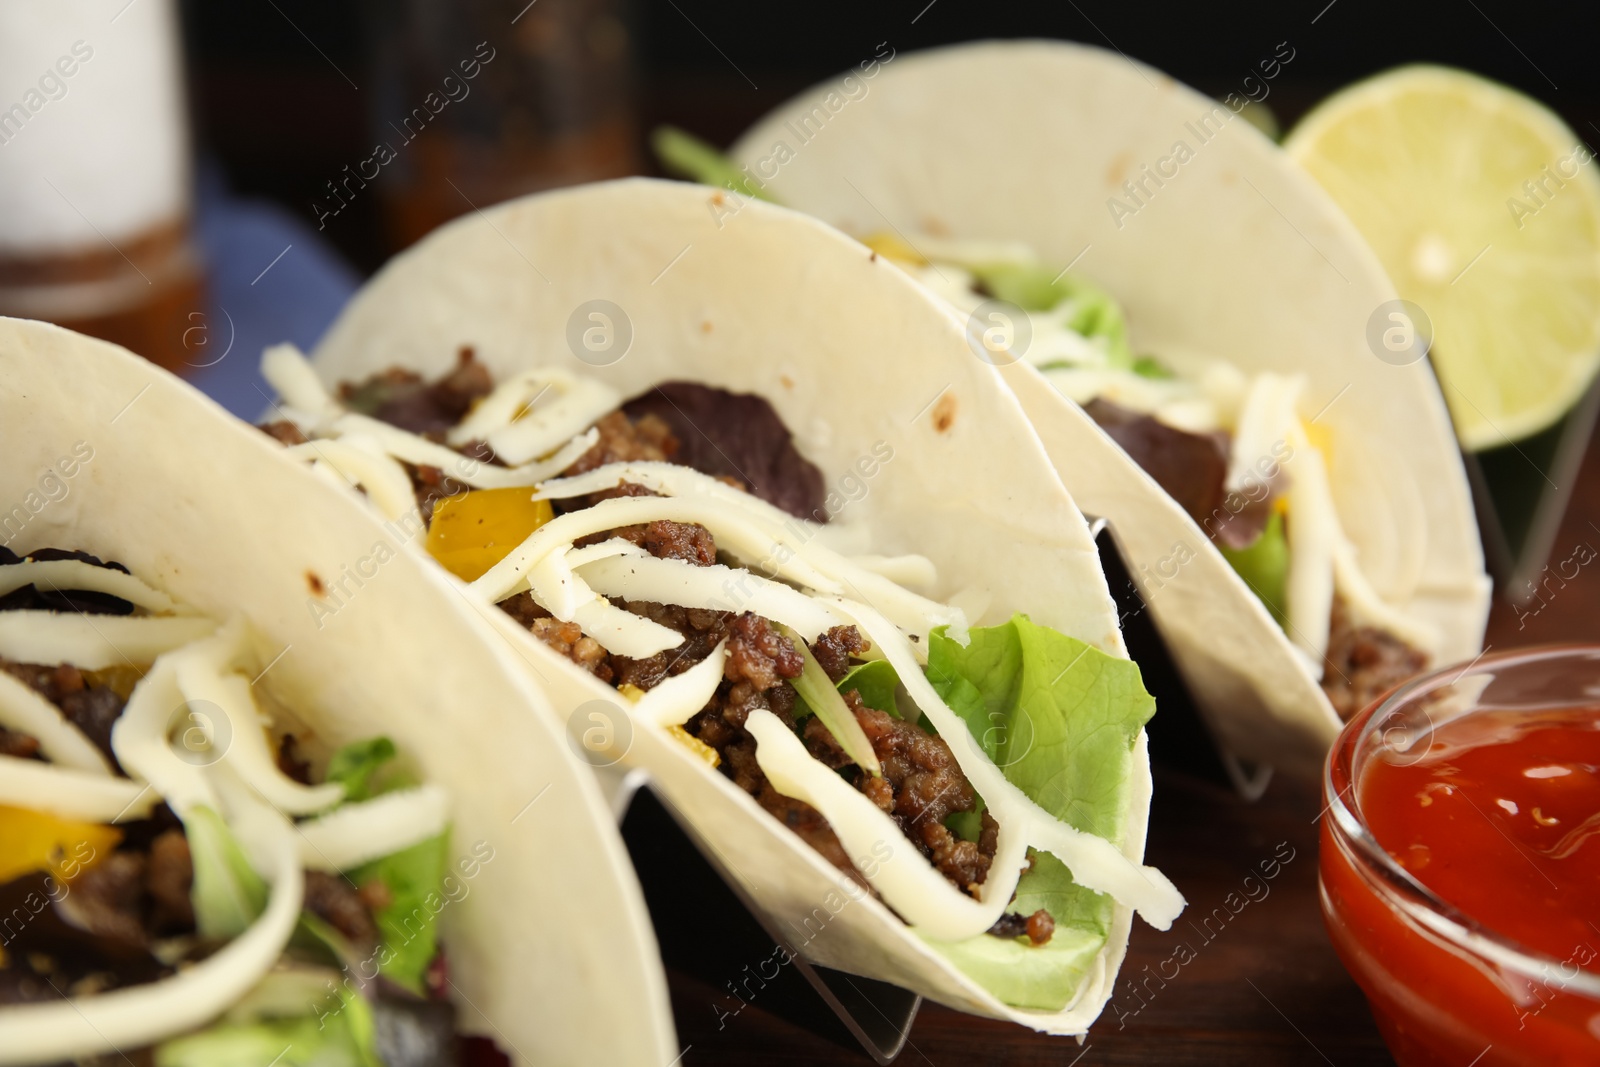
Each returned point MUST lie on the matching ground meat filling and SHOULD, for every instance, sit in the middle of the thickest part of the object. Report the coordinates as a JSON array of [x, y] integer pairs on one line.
[[922, 784], [334, 900], [92, 707], [1363, 662], [624, 440], [402, 398], [122, 905], [1037, 927]]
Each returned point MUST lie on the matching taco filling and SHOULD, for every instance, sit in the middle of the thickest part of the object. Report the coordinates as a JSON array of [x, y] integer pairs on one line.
[[1233, 451], [678, 547], [177, 856]]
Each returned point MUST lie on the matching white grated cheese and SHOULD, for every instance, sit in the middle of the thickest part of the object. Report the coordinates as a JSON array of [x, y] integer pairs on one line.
[[69, 793], [675, 700], [714, 588], [469, 471], [559, 590], [363, 463], [139, 739], [74, 574], [673, 479], [358, 833], [95, 642], [519, 427], [1313, 534], [905, 879], [21, 708], [734, 530], [288, 371], [211, 685], [138, 1015]]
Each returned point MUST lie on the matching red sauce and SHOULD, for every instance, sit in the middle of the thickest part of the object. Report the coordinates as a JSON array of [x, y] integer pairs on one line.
[[1489, 823], [1501, 818]]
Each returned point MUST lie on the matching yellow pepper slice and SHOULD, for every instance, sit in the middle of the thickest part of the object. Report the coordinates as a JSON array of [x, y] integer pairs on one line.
[[37, 841], [473, 531], [120, 678], [695, 745], [892, 246]]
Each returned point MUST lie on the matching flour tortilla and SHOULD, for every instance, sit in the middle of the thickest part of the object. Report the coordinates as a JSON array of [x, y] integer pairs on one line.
[[1238, 256], [551, 951], [850, 352]]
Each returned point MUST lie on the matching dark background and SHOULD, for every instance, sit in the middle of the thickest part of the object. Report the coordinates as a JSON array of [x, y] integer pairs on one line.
[[271, 104]]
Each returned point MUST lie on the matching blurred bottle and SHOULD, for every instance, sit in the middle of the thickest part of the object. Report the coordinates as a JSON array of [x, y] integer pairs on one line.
[[95, 193], [478, 102]]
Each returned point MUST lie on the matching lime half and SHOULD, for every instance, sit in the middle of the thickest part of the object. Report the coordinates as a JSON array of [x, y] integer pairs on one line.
[[1485, 210]]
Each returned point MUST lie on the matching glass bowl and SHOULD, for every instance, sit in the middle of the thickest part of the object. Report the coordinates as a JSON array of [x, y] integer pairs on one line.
[[1444, 987]]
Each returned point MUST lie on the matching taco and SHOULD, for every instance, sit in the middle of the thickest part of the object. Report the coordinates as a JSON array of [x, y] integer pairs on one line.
[[1201, 339], [235, 829], [761, 525]]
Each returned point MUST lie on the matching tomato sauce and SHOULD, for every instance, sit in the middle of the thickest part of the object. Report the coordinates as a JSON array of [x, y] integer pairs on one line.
[[1498, 816], [1501, 818]]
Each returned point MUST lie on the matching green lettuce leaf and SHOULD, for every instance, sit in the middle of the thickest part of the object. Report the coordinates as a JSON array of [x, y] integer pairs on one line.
[[1061, 719], [875, 683], [343, 1038], [1094, 313], [687, 156], [354, 765], [410, 921], [228, 894], [1264, 566], [1151, 367]]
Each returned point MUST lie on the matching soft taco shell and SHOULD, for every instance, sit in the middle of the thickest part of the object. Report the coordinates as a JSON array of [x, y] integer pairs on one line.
[[1235, 254], [550, 948], [757, 299]]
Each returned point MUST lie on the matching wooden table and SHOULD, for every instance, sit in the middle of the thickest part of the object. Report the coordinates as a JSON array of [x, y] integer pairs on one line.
[[1260, 986]]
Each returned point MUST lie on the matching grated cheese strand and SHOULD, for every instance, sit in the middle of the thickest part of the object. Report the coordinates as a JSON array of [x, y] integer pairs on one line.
[[23, 709], [76, 575], [140, 1015], [211, 684], [712, 588], [357, 833], [95, 642], [361, 462], [676, 700], [69, 793]]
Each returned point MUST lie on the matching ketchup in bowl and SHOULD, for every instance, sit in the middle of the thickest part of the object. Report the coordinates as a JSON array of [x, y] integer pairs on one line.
[[1460, 861]]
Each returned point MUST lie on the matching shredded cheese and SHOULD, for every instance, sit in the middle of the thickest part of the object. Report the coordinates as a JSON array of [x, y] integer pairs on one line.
[[676, 700], [94, 642], [23, 709], [291, 374], [76, 575], [519, 428], [363, 463], [139, 1015], [732, 527], [418, 450], [358, 833], [713, 588], [72, 794], [210, 684]]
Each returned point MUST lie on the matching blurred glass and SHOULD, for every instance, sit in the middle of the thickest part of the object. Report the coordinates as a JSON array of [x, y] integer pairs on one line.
[[480, 101], [96, 200]]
